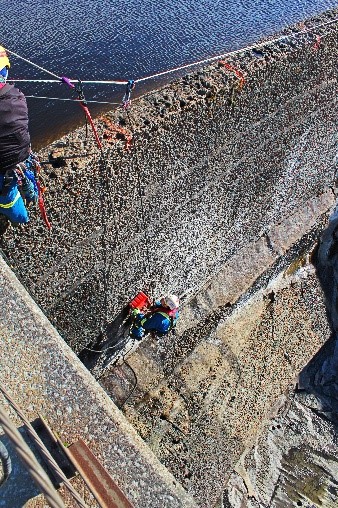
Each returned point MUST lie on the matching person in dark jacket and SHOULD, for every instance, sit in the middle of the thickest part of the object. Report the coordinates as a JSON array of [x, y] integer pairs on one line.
[[160, 318], [15, 149]]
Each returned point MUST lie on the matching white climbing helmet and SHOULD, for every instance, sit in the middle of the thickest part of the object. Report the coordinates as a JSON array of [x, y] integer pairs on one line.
[[172, 301]]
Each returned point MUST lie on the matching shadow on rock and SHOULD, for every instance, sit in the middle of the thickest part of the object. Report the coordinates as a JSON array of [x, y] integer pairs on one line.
[[318, 381], [110, 341]]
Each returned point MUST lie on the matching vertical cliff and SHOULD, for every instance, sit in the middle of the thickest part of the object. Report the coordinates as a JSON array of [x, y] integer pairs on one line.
[[225, 189], [216, 166]]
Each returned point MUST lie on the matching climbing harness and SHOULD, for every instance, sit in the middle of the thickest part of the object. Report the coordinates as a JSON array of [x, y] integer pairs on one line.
[[26, 179], [141, 309], [83, 103], [26, 176], [28, 190], [126, 101], [33, 164]]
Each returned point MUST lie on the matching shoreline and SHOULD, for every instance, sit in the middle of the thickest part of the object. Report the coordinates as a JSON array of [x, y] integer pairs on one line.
[[147, 89]]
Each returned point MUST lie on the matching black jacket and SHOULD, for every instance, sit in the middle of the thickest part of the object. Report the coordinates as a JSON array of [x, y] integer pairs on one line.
[[14, 134]]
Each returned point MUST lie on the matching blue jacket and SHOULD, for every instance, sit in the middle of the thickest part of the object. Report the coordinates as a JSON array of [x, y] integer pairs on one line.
[[159, 321]]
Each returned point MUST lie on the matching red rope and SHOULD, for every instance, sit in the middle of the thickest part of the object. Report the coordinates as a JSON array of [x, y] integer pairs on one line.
[[42, 205], [317, 43], [116, 129], [82, 101], [88, 115], [238, 73]]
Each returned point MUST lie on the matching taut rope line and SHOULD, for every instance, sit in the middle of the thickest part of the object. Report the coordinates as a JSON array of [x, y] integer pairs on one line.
[[186, 66]]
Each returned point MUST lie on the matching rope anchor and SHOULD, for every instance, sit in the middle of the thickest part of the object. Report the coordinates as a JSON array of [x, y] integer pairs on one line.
[[83, 103]]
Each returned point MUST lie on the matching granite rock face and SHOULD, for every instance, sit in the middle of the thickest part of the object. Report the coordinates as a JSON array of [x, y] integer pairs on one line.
[[203, 396], [294, 461], [220, 199], [207, 174]]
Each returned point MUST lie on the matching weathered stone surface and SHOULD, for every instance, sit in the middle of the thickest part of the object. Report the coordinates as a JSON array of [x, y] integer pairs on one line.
[[200, 415], [294, 461], [214, 175], [45, 377], [254, 175], [241, 270]]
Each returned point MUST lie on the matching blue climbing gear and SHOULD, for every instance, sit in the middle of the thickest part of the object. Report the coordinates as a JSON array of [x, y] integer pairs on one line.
[[27, 180], [11, 202], [156, 320], [18, 187], [29, 187]]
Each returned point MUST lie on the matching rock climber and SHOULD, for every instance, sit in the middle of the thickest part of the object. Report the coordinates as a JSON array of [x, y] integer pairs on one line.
[[17, 180], [160, 318]]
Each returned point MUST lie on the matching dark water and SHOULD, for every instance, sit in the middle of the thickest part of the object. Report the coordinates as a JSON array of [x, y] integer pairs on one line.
[[111, 39]]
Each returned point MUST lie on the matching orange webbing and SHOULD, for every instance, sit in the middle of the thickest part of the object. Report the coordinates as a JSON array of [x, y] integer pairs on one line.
[[112, 128], [238, 73]]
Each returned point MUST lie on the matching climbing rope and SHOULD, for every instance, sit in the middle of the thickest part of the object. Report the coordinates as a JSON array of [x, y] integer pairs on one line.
[[126, 101], [116, 129], [41, 189], [104, 82], [237, 72], [221, 56], [124, 401], [83, 103], [33, 64], [147, 265], [71, 100], [70, 84], [106, 212], [235, 52]]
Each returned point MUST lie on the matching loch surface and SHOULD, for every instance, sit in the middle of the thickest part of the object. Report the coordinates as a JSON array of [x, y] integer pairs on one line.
[[111, 39]]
